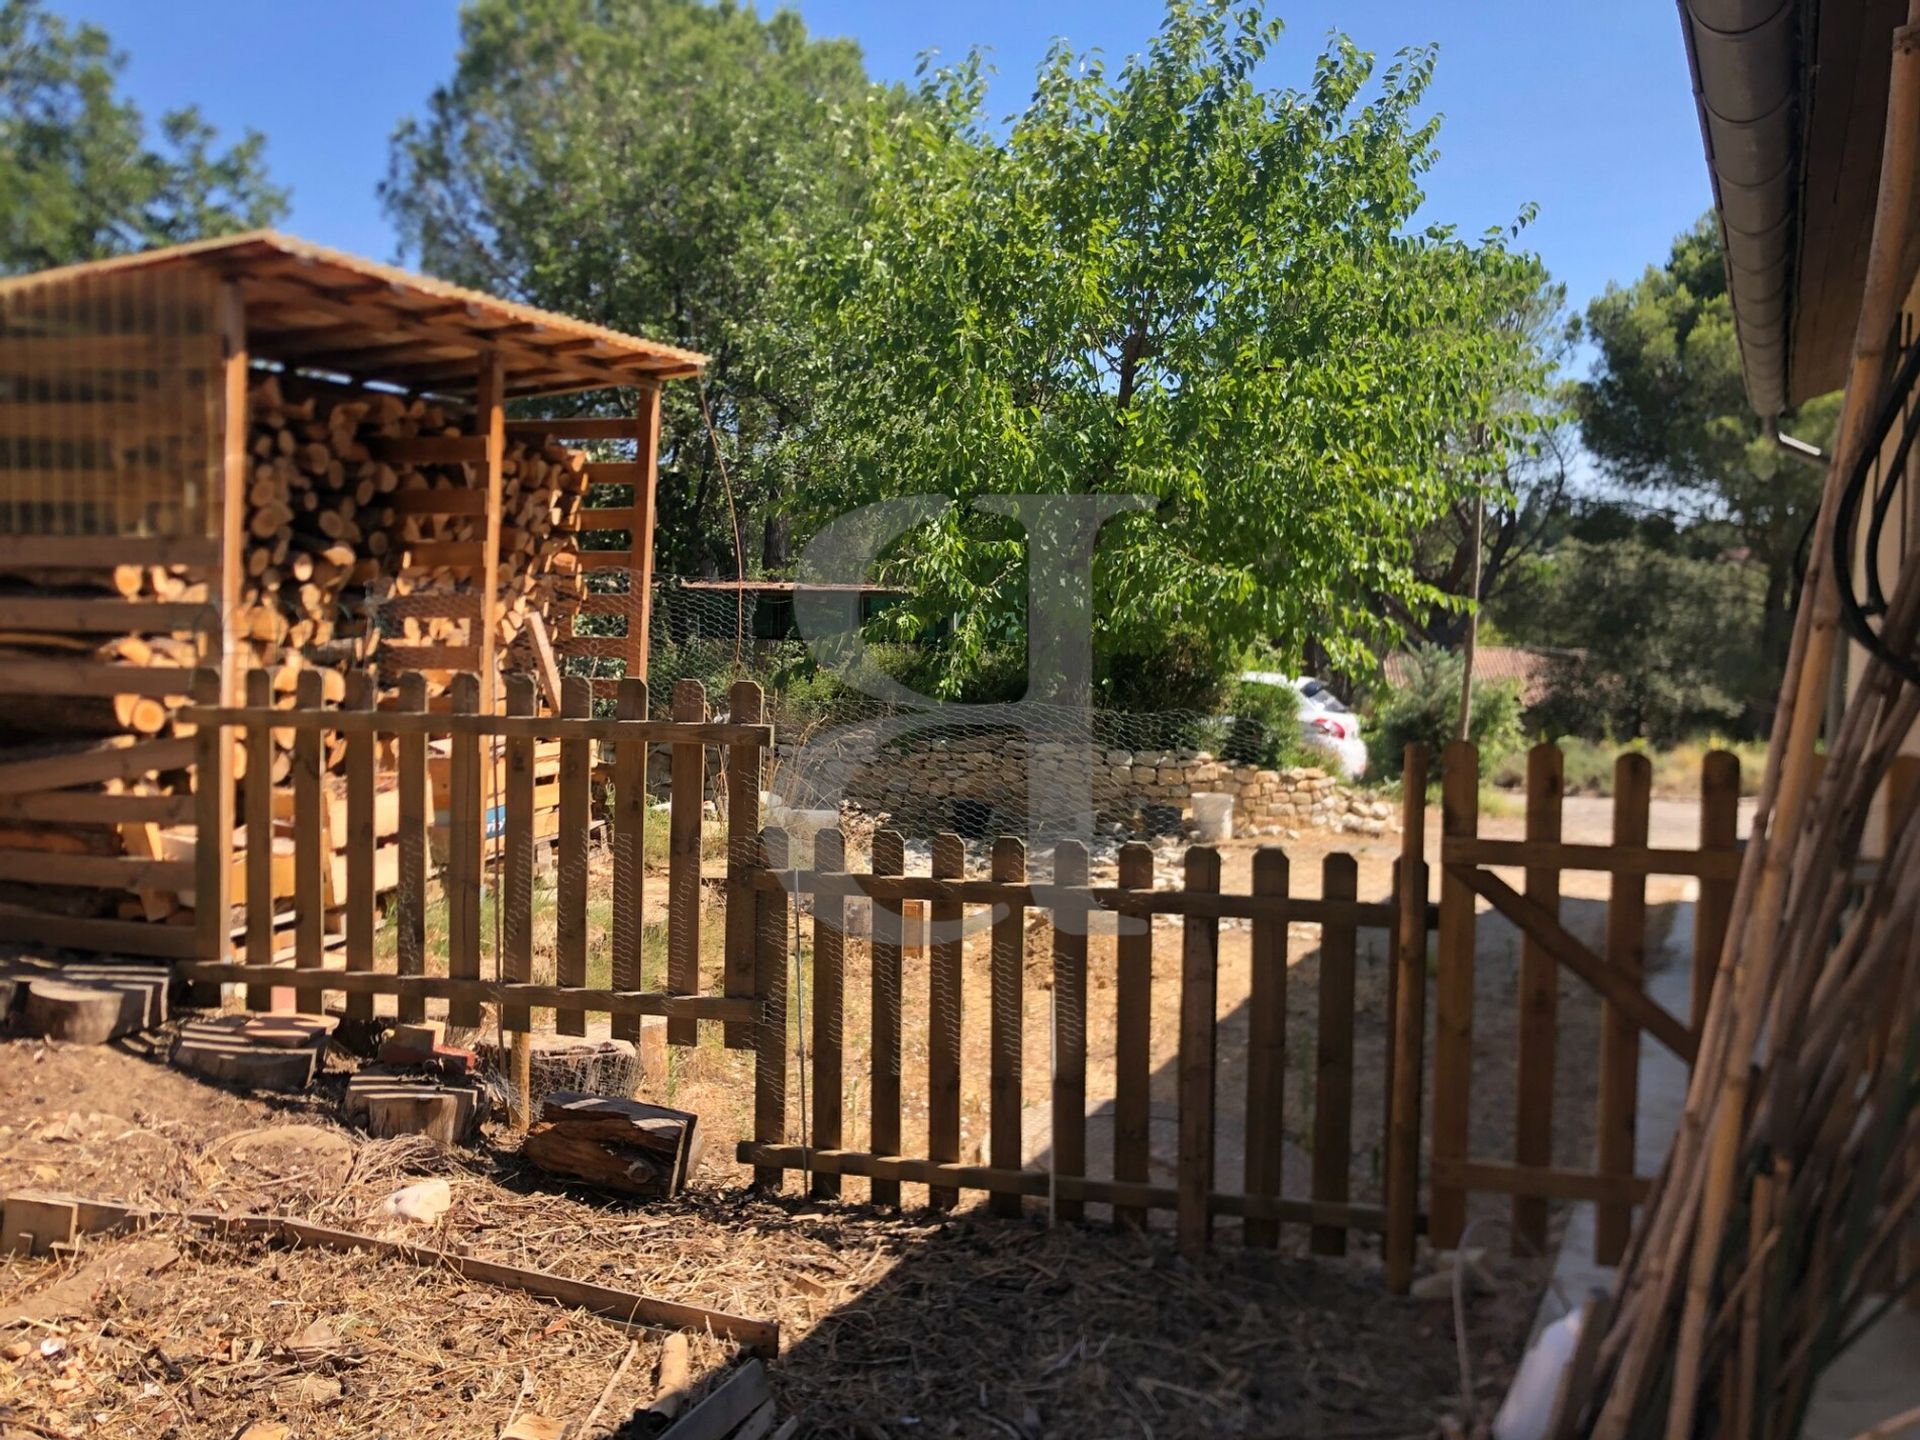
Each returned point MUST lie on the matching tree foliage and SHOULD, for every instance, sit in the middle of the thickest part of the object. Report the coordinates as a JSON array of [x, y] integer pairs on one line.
[[1166, 280], [651, 165], [80, 177]]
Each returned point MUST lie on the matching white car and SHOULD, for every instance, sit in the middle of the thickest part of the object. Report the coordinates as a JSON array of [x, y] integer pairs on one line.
[[1326, 724]]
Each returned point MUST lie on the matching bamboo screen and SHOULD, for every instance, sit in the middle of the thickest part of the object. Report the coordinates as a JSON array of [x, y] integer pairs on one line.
[[109, 404]]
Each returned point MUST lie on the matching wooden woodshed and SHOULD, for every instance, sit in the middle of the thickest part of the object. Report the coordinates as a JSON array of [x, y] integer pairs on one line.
[[273, 459]]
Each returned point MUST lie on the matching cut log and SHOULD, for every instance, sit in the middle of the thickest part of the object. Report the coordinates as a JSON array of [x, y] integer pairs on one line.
[[220, 1049], [623, 1145], [76, 1014]]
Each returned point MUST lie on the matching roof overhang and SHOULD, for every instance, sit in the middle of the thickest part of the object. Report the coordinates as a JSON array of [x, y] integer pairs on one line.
[[318, 309]]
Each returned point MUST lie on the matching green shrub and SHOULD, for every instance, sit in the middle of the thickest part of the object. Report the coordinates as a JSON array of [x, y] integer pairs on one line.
[[1425, 710], [1266, 727]]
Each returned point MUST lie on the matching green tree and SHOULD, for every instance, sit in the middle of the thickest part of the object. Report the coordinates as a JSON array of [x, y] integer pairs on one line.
[[1665, 414], [80, 178], [1167, 280], [648, 164]]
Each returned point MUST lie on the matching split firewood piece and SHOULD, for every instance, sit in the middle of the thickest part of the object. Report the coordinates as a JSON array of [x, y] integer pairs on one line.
[[624, 1145]]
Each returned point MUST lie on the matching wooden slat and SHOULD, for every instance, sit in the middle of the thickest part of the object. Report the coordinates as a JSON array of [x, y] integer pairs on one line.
[[543, 727], [444, 555], [621, 472], [769, 983], [1407, 1027], [1619, 1082], [1719, 831], [362, 839], [604, 518], [570, 896], [1006, 981], [429, 449], [683, 858], [106, 617], [945, 971], [1333, 1059], [104, 552], [1199, 996], [829, 1015], [490, 419], [618, 427], [429, 657], [108, 872], [81, 807], [309, 849], [410, 900], [1069, 1003], [744, 766], [644, 477], [547, 665], [1266, 1125], [1543, 1181], [1453, 994], [46, 675], [889, 858], [258, 801], [629, 852], [464, 841], [1608, 859], [1133, 1035], [20, 925], [121, 758], [516, 856], [439, 502], [1539, 999]]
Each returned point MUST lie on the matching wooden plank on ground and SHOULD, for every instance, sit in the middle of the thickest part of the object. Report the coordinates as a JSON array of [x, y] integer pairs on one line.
[[629, 853], [1333, 1059], [1007, 979], [1453, 993], [829, 1013], [310, 856], [1069, 998], [410, 899], [744, 765], [1267, 1045], [1133, 1034], [683, 858], [945, 967], [464, 842], [1619, 1081], [889, 858], [516, 857], [1199, 998], [570, 890], [1539, 1002]]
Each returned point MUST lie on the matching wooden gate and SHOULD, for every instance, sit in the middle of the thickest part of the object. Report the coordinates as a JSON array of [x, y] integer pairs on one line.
[[1617, 973]]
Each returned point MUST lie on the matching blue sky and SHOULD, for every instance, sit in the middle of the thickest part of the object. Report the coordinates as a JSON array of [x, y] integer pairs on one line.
[[1584, 109]]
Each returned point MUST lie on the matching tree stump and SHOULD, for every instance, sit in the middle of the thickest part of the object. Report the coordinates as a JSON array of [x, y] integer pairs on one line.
[[77, 1014]]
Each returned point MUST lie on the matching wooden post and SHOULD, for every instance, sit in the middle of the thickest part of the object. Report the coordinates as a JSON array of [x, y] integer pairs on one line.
[[235, 471], [1408, 1036], [213, 831], [744, 766], [490, 418], [683, 860], [258, 804], [1199, 996], [889, 858], [1333, 1060], [640, 569], [310, 858], [1539, 1003], [829, 1008], [465, 842], [1719, 832], [1453, 994], [944, 996], [629, 854], [1619, 1082], [1267, 1047], [1133, 1034], [1070, 1021], [410, 903], [361, 898], [770, 985], [1007, 979], [570, 893], [516, 895]]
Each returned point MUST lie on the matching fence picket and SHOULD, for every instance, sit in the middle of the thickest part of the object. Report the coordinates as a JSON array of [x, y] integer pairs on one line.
[[1719, 830], [1407, 1026], [410, 904], [629, 854], [889, 858], [683, 860], [465, 836], [1539, 997], [1133, 1034], [213, 834], [829, 1008], [257, 805], [1333, 1057], [1199, 996], [1267, 1046], [1007, 978], [1619, 1082], [744, 765], [1453, 995], [943, 1017], [309, 850], [570, 891], [516, 855], [769, 982], [1069, 1003], [362, 900]]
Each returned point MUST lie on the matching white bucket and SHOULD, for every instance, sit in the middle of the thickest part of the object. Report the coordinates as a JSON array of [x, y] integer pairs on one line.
[[1212, 816]]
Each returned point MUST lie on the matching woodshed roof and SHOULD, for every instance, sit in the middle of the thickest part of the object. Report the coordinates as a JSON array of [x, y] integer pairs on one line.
[[321, 309]]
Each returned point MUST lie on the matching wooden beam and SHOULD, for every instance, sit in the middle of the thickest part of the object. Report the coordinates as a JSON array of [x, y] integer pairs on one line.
[[22, 926], [84, 807], [235, 471], [122, 872], [121, 758], [46, 675], [430, 449], [104, 552], [592, 428], [106, 617], [1541, 1181], [538, 727], [640, 573], [490, 418], [1611, 859]]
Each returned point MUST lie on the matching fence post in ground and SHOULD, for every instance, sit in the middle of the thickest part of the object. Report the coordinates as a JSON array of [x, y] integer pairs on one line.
[[944, 958], [257, 806], [1453, 995], [889, 859], [213, 832], [1539, 1002], [1408, 1028], [1619, 1083], [516, 895], [410, 904], [1007, 978], [683, 865], [1720, 833], [570, 891], [828, 1007], [310, 858], [1069, 1004], [1333, 1058], [1267, 1046], [362, 900], [1199, 992], [769, 981], [1133, 1037], [465, 837], [629, 855], [745, 764]]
